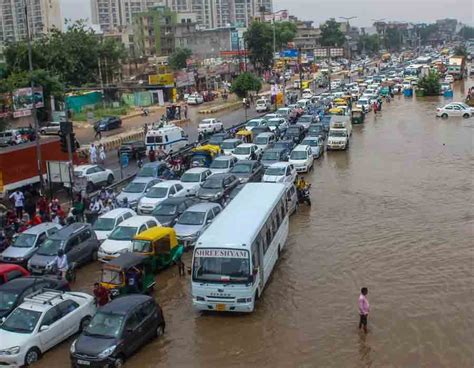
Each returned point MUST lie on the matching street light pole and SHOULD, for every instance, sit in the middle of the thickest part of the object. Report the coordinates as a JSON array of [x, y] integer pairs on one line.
[[32, 85]]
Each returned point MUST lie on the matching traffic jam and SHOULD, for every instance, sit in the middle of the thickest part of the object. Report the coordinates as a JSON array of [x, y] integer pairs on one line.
[[183, 200]]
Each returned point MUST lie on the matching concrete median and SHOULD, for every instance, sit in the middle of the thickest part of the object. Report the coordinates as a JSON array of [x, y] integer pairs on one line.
[[227, 106]]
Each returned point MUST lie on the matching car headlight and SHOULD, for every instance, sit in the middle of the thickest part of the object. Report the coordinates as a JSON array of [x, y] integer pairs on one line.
[[218, 194], [107, 352], [72, 349], [10, 351]]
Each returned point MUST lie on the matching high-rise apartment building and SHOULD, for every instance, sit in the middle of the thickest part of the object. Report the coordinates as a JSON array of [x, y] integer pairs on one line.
[[42, 16], [114, 15]]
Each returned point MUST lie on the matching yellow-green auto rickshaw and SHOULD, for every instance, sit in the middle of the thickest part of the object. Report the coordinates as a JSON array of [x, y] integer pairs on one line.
[[160, 245], [357, 116]]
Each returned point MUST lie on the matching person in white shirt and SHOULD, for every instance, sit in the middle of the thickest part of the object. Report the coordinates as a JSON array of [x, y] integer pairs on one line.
[[93, 154], [61, 263], [102, 155], [19, 200]]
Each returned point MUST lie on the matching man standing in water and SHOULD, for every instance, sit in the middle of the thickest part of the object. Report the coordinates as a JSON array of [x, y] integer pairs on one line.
[[363, 308]]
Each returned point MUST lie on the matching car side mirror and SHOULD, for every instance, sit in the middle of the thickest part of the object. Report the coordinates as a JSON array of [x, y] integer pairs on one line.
[[208, 222], [44, 328], [2, 320]]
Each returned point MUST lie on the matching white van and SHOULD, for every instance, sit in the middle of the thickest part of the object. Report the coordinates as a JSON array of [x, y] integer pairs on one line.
[[340, 131], [120, 239], [169, 138], [302, 158], [107, 223]]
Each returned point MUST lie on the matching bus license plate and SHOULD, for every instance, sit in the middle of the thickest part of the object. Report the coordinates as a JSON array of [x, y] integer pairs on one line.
[[83, 362], [220, 307]]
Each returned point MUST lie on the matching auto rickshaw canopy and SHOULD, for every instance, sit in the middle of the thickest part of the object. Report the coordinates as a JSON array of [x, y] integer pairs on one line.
[[209, 148], [162, 240], [245, 135]]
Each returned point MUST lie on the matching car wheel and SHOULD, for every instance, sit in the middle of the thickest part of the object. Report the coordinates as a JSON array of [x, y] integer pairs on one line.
[[444, 116], [118, 362], [32, 356], [465, 116], [160, 331], [110, 179], [43, 132], [84, 323]]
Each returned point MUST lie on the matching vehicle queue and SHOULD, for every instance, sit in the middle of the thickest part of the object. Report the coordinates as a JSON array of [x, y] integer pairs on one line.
[[251, 174]]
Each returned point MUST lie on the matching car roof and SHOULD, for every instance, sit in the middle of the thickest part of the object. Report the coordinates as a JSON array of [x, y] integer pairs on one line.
[[136, 220], [280, 164], [245, 162], [246, 145], [116, 212], [224, 158], [124, 304], [127, 260], [202, 207], [166, 184], [301, 147], [143, 179], [83, 167], [37, 229], [178, 200], [21, 283], [278, 149], [309, 138], [69, 230], [265, 134], [197, 170], [232, 140], [220, 175]]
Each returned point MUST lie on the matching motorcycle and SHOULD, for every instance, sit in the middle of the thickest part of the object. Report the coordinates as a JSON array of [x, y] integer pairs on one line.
[[304, 195]]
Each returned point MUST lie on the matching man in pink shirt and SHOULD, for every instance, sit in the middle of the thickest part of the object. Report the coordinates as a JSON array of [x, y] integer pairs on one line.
[[363, 308]]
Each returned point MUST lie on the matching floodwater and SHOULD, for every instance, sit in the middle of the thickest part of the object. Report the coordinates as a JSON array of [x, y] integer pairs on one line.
[[394, 213]]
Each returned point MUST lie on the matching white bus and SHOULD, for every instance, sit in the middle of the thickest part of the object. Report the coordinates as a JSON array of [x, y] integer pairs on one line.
[[234, 257]]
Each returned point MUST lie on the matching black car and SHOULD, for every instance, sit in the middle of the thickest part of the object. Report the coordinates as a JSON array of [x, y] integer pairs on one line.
[[15, 291], [272, 155], [168, 211], [117, 331], [317, 130], [107, 123], [289, 144], [248, 171], [218, 138], [136, 149], [295, 132], [217, 187]]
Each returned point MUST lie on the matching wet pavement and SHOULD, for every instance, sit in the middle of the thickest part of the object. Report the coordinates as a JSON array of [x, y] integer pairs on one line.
[[393, 213]]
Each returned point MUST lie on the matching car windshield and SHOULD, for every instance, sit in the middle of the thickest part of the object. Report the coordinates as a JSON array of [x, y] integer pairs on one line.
[[282, 111], [158, 192], [275, 171], [21, 321], [24, 241], [212, 184], [280, 145], [241, 169], [228, 145], [217, 140], [261, 140], [305, 119], [299, 155], [123, 233], [226, 266], [315, 129], [192, 218], [309, 142], [105, 324], [191, 177], [147, 172], [242, 150], [253, 123], [50, 247], [337, 133], [293, 130], [165, 209], [270, 156], [7, 300], [134, 188], [220, 164], [104, 224]]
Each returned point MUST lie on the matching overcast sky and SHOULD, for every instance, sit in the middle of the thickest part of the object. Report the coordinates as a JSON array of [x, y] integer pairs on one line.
[[365, 10]]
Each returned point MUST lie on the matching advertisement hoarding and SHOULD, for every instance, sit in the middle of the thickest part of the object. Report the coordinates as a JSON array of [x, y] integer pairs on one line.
[[23, 99]]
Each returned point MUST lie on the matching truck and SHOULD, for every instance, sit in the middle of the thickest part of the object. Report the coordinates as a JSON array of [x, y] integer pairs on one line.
[[340, 131], [19, 167], [457, 67]]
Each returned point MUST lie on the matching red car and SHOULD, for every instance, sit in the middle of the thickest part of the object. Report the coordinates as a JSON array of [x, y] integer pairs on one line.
[[11, 271]]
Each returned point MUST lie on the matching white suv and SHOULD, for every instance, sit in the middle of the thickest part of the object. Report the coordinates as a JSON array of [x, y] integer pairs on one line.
[[95, 175], [41, 322]]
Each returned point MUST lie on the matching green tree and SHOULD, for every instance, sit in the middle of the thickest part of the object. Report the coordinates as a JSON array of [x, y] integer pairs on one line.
[[467, 32], [393, 39], [460, 51], [245, 83], [369, 43], [259, 43], [331, 34], [177, 59], [284, 32], [430, 84]]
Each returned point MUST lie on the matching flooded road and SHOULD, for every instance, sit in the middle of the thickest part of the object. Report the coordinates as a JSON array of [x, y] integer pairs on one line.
[[393, 213]]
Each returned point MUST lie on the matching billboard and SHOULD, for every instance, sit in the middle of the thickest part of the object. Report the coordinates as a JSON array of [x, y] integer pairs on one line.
[[23, 99], [279, 16], [165, 79], [289, 53]]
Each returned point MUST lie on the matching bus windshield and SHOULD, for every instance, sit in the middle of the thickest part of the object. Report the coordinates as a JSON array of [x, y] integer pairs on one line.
[[221, 266]]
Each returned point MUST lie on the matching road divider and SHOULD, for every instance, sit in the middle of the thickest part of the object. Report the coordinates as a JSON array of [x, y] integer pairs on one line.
[[227, 106]]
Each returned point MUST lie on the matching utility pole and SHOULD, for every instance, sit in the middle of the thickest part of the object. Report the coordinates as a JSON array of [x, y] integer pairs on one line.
[[32, 85], [328, 51], [274, 40], [300, 69]]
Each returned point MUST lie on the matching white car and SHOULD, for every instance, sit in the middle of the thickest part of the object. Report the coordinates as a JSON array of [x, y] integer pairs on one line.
[[107, 223], [449, 78], [262, 105], [53, 127], [255, 123], [455, 109], [194, 99], [279, 123], [222, 164], [280, 172], [316, 144], [265, 140], [364, 104], [247, 151], [302, 158], [192, 179], [158, 193], [41, 322], [94, 175], [210, 125], [307, 94], [120, 240]]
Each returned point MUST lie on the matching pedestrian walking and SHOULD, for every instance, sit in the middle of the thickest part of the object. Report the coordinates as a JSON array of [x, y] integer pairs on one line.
[[145, 128], [93, 154], [30, 204], [152, 155], [101, 295], [363, 308], [19, 201], [43, 208], [98, 133], [102, 155]]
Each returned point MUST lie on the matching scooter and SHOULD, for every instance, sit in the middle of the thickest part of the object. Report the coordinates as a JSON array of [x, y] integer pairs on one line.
[[304, 195]]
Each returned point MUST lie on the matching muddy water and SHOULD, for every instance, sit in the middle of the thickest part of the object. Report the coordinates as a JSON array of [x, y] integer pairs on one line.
[[394, 213]]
